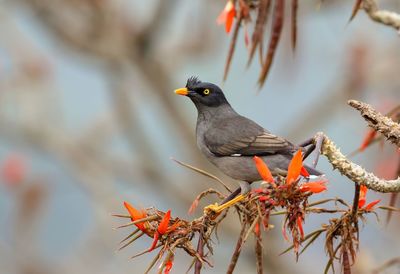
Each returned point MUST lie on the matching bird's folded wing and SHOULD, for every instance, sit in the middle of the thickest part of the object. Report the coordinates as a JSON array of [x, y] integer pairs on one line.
[[243, 137]]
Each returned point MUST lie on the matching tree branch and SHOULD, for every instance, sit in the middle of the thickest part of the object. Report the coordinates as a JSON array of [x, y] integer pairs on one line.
[[385, 17], [379, 122], [355, 172]]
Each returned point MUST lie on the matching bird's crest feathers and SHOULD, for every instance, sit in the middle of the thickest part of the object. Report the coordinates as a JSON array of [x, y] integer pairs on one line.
[[192, 82]]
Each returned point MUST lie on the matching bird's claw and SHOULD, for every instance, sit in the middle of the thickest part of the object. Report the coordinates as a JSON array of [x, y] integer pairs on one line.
[[213, 208]]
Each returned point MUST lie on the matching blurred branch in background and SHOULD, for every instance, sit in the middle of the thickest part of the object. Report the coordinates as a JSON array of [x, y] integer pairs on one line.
[[138, 56], [385, 17]]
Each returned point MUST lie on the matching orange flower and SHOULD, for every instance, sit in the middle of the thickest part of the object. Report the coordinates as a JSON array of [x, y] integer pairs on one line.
[[314, 187], [263, 170], [136, 215], [227, 15], [295, 167], [363, 195]]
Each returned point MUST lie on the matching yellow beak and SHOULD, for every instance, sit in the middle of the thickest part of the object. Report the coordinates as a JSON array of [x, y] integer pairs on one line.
[[182, 91]]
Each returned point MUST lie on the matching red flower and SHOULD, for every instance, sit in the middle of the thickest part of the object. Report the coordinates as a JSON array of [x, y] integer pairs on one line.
[[295, 167], [314, 187], [263, 170], [227, 15]]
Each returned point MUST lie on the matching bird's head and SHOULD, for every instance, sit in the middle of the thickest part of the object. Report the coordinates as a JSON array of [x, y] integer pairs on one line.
[[203, 94]]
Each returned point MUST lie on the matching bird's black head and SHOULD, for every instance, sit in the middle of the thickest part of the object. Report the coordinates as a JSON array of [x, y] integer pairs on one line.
[[203, 94]]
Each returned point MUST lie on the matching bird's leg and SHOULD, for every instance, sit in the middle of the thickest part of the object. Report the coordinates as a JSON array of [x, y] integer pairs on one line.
[[309, 147], [308, 151], [312, 144], [232, 195], [232, 199], [318, 140], [307, 142]]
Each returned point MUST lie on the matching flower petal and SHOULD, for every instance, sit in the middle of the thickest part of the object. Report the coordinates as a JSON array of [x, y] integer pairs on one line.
[[294, 168], [155, 241], [168, 266], [136, 215], [314, 187], [363, 194], [370, 206], [227, 15], [304, 172], [163, 226], [229, 21], [263, 170]]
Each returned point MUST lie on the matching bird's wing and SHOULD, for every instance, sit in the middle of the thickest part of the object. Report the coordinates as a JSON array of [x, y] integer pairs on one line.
[[239, 136]]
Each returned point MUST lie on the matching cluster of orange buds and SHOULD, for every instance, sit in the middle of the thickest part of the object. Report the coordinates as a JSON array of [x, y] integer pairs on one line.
[[295, 169], [155, 227], [163, 228], [289, 193]]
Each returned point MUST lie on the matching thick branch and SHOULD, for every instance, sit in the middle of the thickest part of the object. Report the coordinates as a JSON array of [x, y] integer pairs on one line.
[[355, 172], [379, 122], [385, 17]]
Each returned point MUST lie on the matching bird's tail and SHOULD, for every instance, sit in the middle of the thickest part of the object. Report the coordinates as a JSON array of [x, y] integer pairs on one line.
[[313, 171]]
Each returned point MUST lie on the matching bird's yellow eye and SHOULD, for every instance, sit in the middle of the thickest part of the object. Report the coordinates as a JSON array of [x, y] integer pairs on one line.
[[206, 91]]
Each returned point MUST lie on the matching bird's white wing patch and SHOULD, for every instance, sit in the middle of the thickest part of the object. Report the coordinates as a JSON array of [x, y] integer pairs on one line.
[[236, 155]]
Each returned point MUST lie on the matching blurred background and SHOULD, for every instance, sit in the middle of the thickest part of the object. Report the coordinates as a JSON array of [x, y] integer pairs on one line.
[[88, 119]]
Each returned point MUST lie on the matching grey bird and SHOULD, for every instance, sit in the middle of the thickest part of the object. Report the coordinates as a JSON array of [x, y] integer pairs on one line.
[[230, 141]]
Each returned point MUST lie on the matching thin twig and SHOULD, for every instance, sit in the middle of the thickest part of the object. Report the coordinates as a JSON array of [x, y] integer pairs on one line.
[[236, 253], [205, 173]]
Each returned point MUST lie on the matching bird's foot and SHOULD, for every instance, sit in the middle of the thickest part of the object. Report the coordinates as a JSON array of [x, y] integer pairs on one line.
[[319, 139], [219, 208]]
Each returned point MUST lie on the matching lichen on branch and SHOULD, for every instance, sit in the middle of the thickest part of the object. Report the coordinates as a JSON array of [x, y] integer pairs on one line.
[[378, 121], [355, 172]]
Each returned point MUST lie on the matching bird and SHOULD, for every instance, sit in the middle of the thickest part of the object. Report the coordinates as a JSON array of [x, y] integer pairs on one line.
[[230, 141]]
